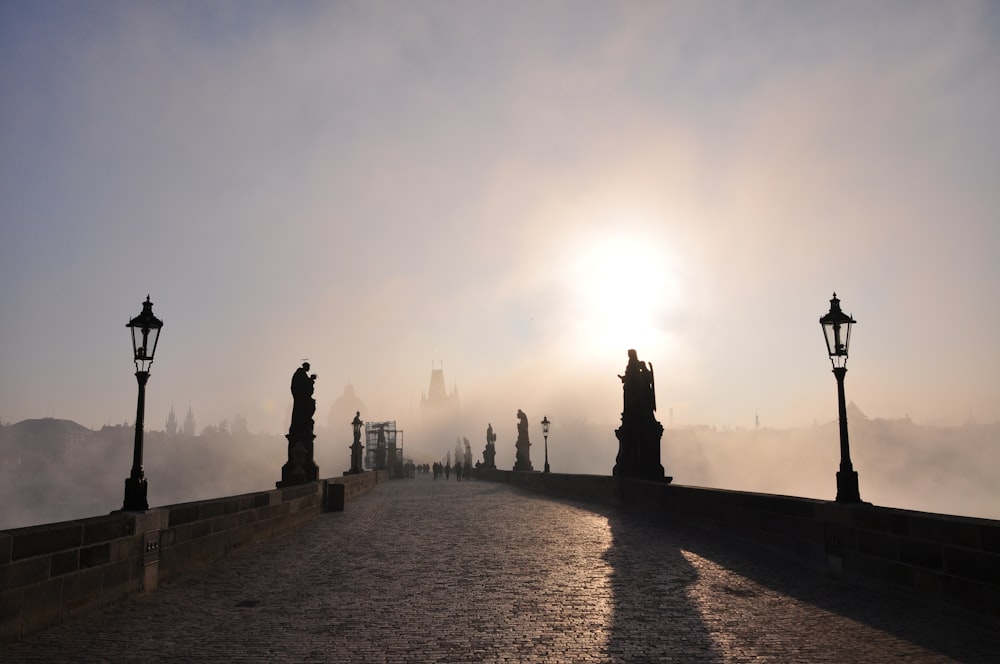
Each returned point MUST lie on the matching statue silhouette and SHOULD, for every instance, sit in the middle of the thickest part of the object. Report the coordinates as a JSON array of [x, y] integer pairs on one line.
[[638, 388], [523, 455], [303, 404], [300, 467], [490, 453], [639, 434], [356, 446]]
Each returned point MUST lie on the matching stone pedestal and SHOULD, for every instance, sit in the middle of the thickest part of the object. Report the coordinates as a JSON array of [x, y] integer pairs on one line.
[[639, 451], [300, 467], [847, 486], [356, 463], [522, 460]]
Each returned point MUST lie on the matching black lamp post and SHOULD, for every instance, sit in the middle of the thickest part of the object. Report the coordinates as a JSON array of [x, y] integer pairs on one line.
[[837, 330], [545, 433], [143, 326]]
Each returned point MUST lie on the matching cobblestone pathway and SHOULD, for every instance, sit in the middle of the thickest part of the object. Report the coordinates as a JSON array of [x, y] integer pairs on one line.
[[434, 571]]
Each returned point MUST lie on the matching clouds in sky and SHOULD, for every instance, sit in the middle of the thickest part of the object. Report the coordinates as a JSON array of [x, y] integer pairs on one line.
[[523, 191]]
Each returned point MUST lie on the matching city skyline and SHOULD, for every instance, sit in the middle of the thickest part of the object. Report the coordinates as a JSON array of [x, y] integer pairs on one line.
[[523, 193], [902, 465]]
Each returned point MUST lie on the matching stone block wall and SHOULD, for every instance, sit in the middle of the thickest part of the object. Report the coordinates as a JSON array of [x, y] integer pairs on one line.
[[53, 571], [947, 559], [200, 532], [356, 486]]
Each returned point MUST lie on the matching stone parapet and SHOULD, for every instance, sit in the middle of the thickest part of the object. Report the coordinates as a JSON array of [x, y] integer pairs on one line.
[[53, 571], [940, 559]]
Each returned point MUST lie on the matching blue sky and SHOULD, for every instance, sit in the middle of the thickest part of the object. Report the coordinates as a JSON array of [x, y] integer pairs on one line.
[[520, 190]]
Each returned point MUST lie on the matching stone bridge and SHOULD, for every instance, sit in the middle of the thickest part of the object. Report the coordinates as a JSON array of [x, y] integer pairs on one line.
[[526, 568]]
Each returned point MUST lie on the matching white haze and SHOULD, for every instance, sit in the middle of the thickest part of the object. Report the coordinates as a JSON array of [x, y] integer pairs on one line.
[[522, 192], [900, 464]]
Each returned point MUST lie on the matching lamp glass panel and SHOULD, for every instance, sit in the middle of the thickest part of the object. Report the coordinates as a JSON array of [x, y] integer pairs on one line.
[[151, 340], [828, 337], [136, 341]]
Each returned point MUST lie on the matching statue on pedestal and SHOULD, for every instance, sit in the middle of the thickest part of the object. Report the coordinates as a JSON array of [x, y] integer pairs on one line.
[[380, 451], [639, 434], [523, 456], [300, 467], [490, 453], [356, 446]]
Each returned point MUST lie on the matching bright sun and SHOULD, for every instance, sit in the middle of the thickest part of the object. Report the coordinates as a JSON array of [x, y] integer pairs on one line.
[[625, 286]]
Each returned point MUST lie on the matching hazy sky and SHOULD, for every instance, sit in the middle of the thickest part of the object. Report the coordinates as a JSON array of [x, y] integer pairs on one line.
[[521, 190]]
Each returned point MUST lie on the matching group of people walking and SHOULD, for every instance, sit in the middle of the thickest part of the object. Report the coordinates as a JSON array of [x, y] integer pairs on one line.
[[446, 470]]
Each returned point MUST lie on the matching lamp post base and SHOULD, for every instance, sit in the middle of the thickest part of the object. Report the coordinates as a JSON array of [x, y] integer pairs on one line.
[[847, 487], [135, 495]]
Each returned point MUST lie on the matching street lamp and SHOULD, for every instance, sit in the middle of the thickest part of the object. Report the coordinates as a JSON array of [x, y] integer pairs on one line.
[[837, 331], [143, 326], [545, 433]]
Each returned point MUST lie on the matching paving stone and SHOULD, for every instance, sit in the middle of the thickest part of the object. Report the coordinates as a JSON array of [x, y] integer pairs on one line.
[[433, 571]]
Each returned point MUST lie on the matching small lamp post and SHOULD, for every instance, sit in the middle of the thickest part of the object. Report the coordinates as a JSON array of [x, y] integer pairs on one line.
[[145, 335], [837, 330], [545, 433]]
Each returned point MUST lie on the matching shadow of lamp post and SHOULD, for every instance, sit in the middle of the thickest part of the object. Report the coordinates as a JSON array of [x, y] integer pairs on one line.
[[545, 433], [837, 330], [145, 333]]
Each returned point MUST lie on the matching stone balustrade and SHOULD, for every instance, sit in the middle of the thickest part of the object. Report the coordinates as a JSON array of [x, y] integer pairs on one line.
[[53, 571], [951, 561]]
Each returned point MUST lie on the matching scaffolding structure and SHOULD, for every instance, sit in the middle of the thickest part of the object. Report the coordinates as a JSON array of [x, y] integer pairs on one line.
[[383, 445]]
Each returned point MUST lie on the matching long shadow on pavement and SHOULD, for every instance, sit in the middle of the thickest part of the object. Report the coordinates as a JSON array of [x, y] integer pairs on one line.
[[773, 578], [653, 618]]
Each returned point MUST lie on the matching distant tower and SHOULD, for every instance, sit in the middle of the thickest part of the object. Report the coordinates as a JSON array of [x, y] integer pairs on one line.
[[438, 403], [188, 428], [171, 427], [756, 421]]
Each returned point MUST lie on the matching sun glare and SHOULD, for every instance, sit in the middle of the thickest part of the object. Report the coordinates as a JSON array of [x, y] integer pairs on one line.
[[625, 286]]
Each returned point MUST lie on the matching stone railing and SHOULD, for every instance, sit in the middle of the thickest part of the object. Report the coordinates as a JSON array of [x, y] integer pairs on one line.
[[940, 559], [53, 571]]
